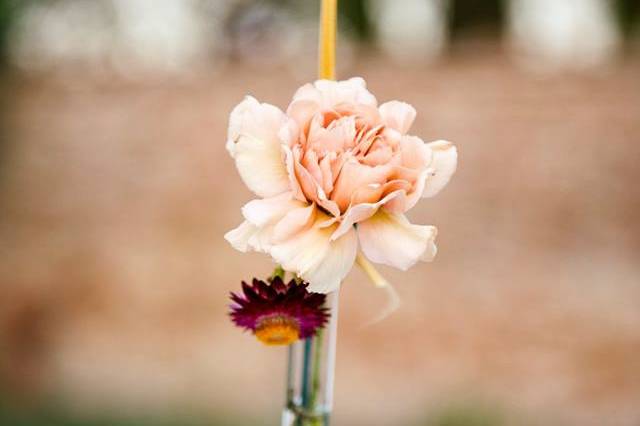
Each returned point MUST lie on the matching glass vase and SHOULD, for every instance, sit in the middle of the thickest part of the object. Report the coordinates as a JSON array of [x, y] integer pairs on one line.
[[310, 374]]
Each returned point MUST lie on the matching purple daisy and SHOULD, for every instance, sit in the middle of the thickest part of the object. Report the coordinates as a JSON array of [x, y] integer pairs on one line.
[[278, 313]]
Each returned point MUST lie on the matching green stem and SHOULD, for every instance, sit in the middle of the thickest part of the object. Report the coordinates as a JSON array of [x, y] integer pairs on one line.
[[306, 394], [315, 380], [278, 272], [317, 359]]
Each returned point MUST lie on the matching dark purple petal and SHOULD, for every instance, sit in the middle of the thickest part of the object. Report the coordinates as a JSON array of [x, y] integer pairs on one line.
[[293, 300]]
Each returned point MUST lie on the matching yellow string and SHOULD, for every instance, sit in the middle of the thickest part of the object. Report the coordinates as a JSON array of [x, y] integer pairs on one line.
[[327, 37], [393, 300], [376, 277]]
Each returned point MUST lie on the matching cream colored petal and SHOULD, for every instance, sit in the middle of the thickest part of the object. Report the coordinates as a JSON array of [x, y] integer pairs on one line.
[[248, 237], [442, 167], [307, 92], [353, 90], [289, 133], [255, 144], [291, 174], [240, 236], [391, 240], [431, 251], [398, 115], [301, 253], [263, 211], [295, 221], [312, 255], [330, 93], [262, 240], [262, 216], [327, 275], [237, 120]]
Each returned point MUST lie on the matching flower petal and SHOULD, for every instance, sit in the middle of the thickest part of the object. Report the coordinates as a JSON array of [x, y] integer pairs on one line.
[[313, 256], [361, 212], [327, 275], [290, 161], [443, 165], [415, 156], [391, 240], [354, 176], [398, 115], [239, 237], [263, 211], [254, 143], [329, 93], [293, 222], [302, 111]]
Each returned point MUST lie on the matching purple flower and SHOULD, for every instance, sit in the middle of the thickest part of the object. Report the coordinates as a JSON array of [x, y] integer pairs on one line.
[[278, 313]]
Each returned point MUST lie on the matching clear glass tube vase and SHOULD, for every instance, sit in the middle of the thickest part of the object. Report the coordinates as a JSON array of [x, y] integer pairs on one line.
[[310, 374]]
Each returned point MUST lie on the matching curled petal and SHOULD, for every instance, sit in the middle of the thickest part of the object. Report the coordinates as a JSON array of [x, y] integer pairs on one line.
[[328, 93], [443, 165], [416, 157], [254, 143], [302, 111], [398, 115], [391, 240], [361, 212], [261, 212], [310, 188], [240, 236], [262, 216]]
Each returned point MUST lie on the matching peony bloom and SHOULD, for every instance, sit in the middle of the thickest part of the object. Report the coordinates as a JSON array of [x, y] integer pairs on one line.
[[279, 313], [335, 173]]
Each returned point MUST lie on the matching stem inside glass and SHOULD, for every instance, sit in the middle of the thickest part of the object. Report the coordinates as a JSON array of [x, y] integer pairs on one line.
[[310, 375]]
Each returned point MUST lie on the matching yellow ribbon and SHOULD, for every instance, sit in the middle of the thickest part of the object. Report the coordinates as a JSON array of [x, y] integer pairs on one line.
[[327, 38]]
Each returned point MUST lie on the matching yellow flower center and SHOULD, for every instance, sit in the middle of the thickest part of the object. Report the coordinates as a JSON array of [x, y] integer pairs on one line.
[[277, 329]]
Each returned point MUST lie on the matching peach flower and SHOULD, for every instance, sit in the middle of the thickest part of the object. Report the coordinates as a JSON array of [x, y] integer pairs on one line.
[[335, 172]]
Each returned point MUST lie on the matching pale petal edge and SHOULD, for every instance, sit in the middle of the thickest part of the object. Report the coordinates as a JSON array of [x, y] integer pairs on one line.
[[390, 239]]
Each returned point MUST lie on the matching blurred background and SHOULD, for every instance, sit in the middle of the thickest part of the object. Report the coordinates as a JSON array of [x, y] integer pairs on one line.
[[115, 191]]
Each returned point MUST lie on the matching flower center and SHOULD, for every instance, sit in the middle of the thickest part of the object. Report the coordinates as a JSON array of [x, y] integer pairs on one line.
[[277, 329]]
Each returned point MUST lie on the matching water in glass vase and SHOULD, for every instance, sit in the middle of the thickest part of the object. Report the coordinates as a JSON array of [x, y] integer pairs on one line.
[[310, 375]]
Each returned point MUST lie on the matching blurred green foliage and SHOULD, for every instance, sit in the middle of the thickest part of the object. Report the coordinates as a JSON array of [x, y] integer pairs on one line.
[[52, 416], [467, 414], [473, 15], [7, 8], [356, 13], [456, 414], [628, 12]]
